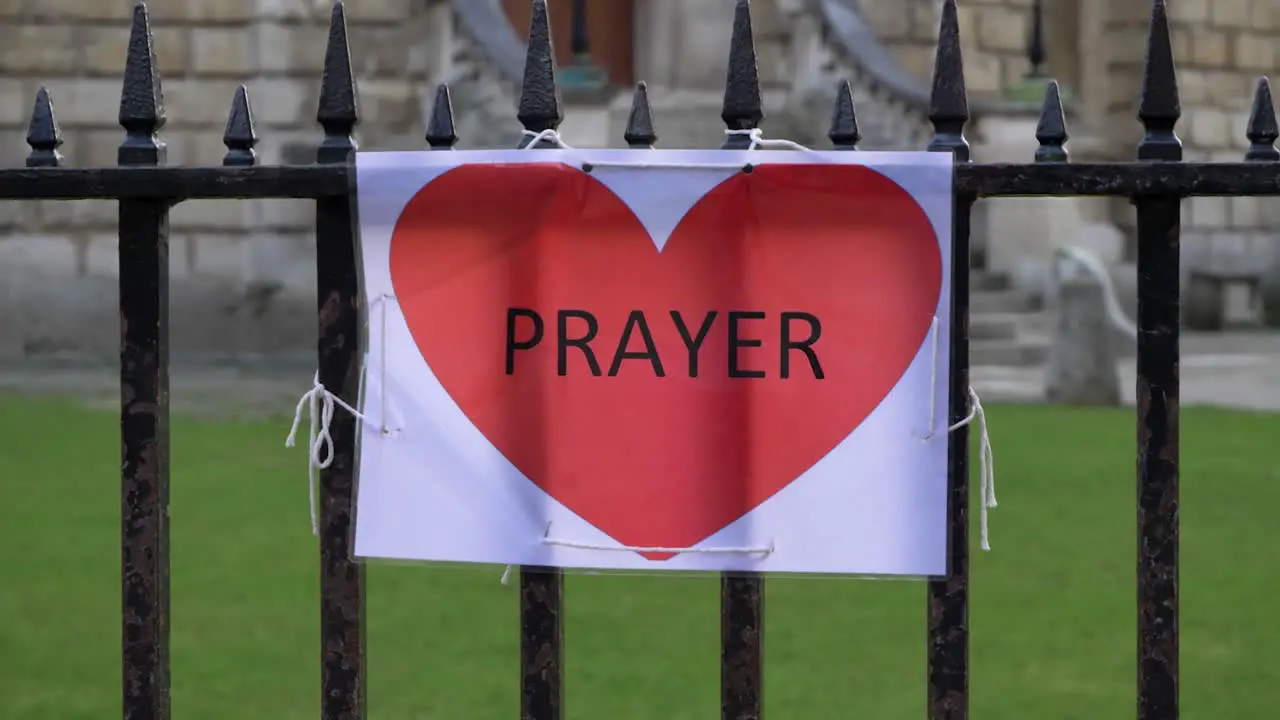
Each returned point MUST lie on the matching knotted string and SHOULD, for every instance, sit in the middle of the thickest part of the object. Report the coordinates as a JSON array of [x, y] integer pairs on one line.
[[320, 403], [986, 463]]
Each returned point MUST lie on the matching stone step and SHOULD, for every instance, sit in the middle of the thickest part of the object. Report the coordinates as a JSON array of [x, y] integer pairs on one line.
[[995, 326], [988, 280], [1001, 301], [1024, 352]]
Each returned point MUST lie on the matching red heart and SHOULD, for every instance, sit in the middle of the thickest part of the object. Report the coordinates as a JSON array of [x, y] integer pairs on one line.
[[666, 461]]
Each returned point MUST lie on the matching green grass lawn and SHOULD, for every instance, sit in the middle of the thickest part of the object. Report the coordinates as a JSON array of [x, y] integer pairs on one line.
[[1052, 617]]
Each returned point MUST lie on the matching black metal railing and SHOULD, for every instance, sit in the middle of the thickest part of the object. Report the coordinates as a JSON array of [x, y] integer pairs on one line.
[[146, 189]]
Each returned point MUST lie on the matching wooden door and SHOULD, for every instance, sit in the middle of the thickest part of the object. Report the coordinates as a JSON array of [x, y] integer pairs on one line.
[[609, 23]]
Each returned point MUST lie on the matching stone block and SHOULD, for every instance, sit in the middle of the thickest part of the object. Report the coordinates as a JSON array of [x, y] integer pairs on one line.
[[1207, 212], [222, 52], [377, 11], [1255, 52], [392, 52], [284, 101], [287, 215], [16, 100], [40, 49], [218, 255], [286, 261], [211, 214], [1209, 48], [891, 21], [99, 254], [1246, 212], [103, 49], [294, 10], [775, 63], [1209, 128], [768, 19], [200, 102], [1187, 12], [101, 10], [291, 48], [207, 11], [77, 215], [1193, 86], [88, 102], [924, 21], [1002, 29], [44, 255], [1229, 13], [1263, 15], [1082, 363]]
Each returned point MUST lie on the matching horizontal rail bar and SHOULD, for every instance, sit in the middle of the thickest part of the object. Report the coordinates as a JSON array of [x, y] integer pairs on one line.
[[1124, 179]]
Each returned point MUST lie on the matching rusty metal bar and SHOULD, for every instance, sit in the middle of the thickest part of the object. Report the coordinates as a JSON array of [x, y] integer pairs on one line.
[[948, 604], [1159, 283], [342, 618], [144, 393]]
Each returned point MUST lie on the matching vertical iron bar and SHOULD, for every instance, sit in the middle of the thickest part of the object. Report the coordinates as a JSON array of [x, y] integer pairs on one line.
[[742, 594], [1051, 130], [541, 588], [144, 393], [240, 137], [844, 133], [949, 597], [1159, 286], [441, 133], [1036, 52], [342, 658], [43, 135], [1262, 130], [580, 37], [639, 133]]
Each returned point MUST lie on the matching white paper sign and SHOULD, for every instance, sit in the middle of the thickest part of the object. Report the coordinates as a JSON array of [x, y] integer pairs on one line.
[[656, 360]]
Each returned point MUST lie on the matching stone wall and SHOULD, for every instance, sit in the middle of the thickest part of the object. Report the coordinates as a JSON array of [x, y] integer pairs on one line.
[[1222, 48], [242, 272], [993, 32]]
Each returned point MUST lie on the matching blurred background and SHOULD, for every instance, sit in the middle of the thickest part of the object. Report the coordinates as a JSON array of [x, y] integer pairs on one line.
[[1053, 310]]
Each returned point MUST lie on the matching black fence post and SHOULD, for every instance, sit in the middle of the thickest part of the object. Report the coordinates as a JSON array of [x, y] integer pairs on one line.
[[43, 135], [1262, 130], [742, 594], [541, 588], [441, 133], [844, 133], [949, 597], [1036, 52], [342, 660], [240, 137], [144, 392], [1051, 130], [1159, 286], [640, 133]]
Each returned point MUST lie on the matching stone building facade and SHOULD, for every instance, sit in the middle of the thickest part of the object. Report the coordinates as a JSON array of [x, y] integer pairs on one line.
[[242, 273]]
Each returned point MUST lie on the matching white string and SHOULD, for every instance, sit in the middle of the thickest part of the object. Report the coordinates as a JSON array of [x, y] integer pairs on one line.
[[320, 403], [933, 382], [550, 135], [986, 463], [382, 301], [767, 550], [756, 135], [758, 140]]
